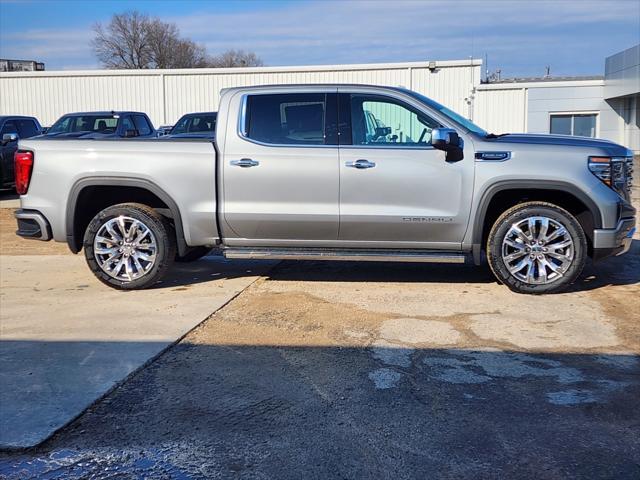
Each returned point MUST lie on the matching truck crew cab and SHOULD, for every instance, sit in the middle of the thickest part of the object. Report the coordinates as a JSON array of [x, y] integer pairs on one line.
[[333, 172]]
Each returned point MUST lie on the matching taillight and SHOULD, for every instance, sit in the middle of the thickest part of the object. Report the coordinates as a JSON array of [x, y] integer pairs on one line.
[[23, 163]]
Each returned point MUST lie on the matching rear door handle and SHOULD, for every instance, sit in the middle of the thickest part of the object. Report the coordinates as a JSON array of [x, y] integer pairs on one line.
[[245, 163], [361, 164]]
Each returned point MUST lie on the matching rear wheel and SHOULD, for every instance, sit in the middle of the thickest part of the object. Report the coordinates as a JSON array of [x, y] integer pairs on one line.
[[129, 246], [537, 247]]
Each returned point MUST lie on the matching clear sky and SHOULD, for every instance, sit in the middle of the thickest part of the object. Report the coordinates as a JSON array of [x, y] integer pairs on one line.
[[520, 37]]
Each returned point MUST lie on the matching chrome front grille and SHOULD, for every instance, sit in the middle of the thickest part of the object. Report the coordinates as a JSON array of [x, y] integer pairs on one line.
[[628, 174]]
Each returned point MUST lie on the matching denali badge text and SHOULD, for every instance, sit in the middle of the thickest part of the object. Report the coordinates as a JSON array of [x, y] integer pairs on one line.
[[428, 219]]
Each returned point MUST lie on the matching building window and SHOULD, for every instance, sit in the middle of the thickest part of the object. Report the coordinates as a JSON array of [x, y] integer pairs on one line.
[[579, 124]]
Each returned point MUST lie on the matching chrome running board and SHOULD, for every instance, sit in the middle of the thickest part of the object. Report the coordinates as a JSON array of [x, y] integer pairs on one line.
[[344, 255]]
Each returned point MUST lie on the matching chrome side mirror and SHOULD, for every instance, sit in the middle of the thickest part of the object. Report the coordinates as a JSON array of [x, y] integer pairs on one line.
[[448, 140], [9, 137]]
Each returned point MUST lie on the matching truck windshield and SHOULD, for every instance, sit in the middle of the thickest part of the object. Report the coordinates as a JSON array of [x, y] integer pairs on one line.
[[195, 124], [85, 123], [447, 112]]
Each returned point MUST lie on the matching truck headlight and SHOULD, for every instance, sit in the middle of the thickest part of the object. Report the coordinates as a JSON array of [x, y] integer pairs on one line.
[[616, 172]]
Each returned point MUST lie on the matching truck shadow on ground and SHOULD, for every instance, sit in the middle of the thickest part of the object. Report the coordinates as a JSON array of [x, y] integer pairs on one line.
[[623, 270], [210, 268], [207, 410]]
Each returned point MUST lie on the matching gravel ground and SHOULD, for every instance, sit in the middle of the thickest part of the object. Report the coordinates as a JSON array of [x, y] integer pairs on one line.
[[11, 244], [343, 370]]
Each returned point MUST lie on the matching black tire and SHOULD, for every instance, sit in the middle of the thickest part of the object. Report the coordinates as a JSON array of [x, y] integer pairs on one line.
[[522, 212], [162, 232], [193, 254]]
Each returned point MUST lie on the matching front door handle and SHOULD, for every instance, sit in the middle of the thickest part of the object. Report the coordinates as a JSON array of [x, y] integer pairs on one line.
[[245, 163], [361, 164]]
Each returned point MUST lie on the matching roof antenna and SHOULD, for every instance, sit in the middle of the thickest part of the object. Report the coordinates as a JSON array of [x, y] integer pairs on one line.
[[486, 67]]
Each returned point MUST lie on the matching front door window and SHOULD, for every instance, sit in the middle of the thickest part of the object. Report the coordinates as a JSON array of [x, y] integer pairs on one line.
[[386, 122]]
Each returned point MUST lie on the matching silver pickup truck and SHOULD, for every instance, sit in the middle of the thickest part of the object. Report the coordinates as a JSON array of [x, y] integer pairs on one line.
[[332, 172]]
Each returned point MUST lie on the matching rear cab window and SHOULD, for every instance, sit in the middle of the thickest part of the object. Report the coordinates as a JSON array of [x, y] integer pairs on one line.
[[27, 128], [291, 119], [104, 124]]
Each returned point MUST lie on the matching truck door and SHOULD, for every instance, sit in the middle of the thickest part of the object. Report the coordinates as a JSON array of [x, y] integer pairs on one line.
[[280, 169], [396, 190]]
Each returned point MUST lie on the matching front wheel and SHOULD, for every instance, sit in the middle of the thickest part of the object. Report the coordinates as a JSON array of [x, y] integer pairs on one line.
[[537, 247], [129, 246]]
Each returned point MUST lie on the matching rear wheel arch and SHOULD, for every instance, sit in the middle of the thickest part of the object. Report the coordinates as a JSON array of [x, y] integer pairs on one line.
[[503, 195], [109, 191]]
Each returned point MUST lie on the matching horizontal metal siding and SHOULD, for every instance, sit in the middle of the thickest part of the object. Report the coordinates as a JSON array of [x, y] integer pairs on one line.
[[166, 96], [49, 98], [448, 86], [501, 111], [202, 92]]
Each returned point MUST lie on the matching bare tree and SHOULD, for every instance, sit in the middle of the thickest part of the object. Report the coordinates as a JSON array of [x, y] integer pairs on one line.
[[168, 50], [236, 58], [133, 40], [123, 43]]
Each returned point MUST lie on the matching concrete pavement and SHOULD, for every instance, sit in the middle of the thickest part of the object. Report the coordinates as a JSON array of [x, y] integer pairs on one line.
[[67, 339]]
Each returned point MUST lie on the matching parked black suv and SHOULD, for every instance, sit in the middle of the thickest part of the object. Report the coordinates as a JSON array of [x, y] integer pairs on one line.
[[87, 125], [12, 128]]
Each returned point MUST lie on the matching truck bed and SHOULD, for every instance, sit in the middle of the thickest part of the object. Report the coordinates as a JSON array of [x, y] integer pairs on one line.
[[182, 170]]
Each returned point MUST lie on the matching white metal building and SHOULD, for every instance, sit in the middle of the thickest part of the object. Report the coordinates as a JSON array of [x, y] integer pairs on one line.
[[605, 107], [165, 95]]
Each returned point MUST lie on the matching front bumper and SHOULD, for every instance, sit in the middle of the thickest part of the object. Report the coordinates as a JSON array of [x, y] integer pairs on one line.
[[32, 225], [614, 241]]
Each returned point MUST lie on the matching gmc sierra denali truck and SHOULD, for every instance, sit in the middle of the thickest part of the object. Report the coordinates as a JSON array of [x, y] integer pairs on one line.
[[332, 172]]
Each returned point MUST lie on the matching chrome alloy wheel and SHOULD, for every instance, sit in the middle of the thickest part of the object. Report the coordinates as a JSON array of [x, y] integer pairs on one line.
[[537, 250], [125, 248]]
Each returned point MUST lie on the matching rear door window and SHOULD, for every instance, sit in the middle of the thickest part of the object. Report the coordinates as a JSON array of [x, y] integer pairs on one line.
[[142, 125], [291, 119], [127, 124]]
